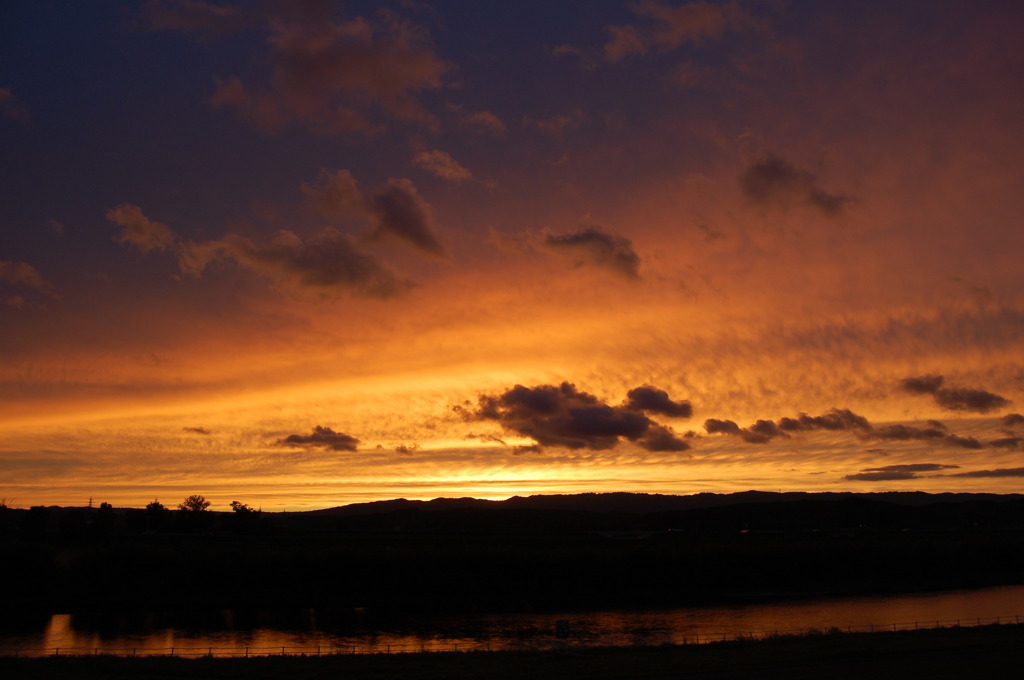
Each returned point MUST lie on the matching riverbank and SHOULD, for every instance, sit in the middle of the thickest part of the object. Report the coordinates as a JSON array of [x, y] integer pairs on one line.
[[934, 653]]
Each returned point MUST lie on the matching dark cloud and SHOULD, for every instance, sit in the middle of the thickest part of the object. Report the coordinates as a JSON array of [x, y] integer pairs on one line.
[[397, 210], [402, 212], [766, 428], [963, 442], [590, 245], [937, 433], [890, 473], [774, 181], [661, 438], [1000, 472], [911, 467], [834, 419], [322, 437], [561, 415], [407, 449], [906, 432], [1007, 442], [654, 400], [716, 426], [954, 398], [763, 431], [197, 430], [327, 262], [339, 76], [966, 399], [466, 415], [1012, 420], [880, 476], [923, 384]]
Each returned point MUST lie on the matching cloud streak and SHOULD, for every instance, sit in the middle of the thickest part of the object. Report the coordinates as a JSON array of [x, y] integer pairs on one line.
[[954, 398], [890, 473]]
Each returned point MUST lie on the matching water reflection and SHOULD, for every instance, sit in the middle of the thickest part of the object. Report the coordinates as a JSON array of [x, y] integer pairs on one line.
[[309, 631]]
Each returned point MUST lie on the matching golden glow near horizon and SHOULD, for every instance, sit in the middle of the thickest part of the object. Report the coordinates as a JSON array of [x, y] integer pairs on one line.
[[302, 288]]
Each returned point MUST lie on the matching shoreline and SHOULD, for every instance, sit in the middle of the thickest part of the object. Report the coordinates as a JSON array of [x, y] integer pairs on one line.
[[937, 653]]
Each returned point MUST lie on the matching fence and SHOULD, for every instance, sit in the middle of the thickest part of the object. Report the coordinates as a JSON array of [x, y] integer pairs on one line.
[[489, 646]]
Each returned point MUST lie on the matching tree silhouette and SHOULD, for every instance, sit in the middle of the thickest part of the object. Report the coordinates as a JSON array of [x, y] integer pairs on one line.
[[242, 508], [157, 516], [194, 503]]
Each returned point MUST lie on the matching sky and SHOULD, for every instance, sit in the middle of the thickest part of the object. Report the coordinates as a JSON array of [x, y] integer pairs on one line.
[[305, 254]]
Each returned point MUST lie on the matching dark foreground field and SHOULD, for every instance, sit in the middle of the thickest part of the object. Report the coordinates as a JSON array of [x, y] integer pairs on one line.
[[546, 553], [987, 651]]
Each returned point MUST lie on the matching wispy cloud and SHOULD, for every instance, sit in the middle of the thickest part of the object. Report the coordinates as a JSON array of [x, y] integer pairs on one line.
[[592, 245]]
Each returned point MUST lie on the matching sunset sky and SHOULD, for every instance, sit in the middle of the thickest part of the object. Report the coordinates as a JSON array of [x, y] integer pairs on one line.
[[302, 254]]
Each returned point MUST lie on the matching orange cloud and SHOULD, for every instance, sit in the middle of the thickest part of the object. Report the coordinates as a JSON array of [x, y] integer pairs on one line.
[[671, 26], [139, 231], [335, 76], [441, 164]]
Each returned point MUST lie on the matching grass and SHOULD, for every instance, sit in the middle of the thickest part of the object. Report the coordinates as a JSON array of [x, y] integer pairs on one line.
[[987, 651]]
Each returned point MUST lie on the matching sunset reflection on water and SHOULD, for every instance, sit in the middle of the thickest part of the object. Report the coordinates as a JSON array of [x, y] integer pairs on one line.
[[518, 631]]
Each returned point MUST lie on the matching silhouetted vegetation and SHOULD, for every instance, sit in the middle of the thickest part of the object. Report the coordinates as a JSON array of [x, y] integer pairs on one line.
[[539, 553]]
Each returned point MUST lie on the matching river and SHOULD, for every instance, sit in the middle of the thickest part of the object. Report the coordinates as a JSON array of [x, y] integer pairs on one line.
[[355, 632]]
